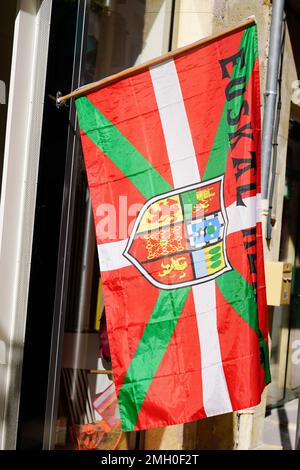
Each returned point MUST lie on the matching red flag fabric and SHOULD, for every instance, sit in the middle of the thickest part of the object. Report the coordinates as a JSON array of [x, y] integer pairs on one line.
[[172, 155]]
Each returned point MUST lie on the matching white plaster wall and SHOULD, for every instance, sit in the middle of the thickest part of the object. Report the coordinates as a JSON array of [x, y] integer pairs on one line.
[[17, 207]]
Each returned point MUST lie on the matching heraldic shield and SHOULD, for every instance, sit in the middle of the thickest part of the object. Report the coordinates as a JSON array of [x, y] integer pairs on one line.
[[179, 237]]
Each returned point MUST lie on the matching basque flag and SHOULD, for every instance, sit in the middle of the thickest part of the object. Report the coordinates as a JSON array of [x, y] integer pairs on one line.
[[172, 154]]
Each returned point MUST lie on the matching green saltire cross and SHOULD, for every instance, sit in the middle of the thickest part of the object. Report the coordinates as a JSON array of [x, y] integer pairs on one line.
[[169, 304], [119, 150]]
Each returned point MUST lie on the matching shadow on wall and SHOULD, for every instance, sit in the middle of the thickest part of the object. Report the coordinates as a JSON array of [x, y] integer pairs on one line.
[[215, 433]]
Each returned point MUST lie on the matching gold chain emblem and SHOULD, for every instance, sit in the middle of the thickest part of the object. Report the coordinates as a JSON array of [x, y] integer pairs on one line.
[[166, 241]]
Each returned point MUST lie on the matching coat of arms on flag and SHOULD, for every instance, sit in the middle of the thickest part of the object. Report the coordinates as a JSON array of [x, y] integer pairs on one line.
[[172, 152], [179, 237]]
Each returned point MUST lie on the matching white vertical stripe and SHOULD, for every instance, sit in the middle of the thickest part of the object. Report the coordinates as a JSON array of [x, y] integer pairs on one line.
[[243, 217], [215, 392], [111, 255], [239, 218], [185, 172], [175, 124]]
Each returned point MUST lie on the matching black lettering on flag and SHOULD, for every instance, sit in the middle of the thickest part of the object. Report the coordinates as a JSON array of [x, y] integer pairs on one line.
[[244, 188], [251, 233], [249, 240], [234, 120], [230, 93], [252, 262], [232, 59], [239, 134], [244, 164]]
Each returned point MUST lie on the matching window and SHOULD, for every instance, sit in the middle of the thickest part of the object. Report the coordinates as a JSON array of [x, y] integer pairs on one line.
[[104, 37], [7, 23]]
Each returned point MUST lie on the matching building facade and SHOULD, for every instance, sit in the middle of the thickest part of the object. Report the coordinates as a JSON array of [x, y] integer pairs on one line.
[[50, 294]]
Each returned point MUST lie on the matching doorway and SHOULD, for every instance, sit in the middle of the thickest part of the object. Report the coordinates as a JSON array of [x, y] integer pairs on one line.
[[285, 355], [89, 39]]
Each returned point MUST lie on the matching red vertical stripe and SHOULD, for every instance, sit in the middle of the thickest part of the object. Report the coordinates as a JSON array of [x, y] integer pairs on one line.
[[240, 355], [237, 255], [177, 383], [261, 285]]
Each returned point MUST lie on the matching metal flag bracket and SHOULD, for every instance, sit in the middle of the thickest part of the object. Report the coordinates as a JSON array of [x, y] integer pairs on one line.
[[59, 102]]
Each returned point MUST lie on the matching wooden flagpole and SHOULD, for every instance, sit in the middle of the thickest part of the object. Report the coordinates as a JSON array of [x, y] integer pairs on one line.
[[100, 371], [130, 71]]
